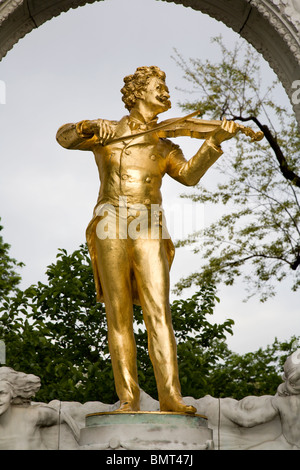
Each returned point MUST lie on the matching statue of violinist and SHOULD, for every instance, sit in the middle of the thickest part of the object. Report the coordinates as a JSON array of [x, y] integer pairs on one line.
[[132, 156]]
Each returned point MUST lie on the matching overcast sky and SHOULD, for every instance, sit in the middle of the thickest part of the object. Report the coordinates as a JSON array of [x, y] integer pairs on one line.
[[72, 68]]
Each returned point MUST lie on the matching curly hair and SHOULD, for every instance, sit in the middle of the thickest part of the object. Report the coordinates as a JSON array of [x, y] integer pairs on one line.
[[136, 83], [23, 386]]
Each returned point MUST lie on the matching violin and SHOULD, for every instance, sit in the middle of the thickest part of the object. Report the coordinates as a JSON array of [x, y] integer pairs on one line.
[[189, 126]]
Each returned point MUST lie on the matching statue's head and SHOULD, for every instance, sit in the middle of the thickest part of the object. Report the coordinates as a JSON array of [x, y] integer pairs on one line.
[[16, 387], [6, 395], [291, 376], [146, 78]]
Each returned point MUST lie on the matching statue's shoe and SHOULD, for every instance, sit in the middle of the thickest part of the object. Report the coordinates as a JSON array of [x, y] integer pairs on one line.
[[126, 406], [177, 406]]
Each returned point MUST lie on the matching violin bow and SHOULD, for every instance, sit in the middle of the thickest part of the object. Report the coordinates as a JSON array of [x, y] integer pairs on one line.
[[255, 136], [150, 131]]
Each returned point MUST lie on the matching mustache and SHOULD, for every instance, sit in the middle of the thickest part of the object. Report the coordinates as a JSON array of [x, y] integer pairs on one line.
[[165, 99]]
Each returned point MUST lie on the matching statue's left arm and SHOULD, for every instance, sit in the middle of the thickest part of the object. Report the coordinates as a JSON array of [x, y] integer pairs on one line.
[[190, 172]]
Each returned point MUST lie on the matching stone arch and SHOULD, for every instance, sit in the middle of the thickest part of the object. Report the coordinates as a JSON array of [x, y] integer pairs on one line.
[[271, 26]]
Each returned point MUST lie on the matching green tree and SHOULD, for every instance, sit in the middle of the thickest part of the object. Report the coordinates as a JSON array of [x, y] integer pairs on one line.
[[200, 343], [9, 277], [255, 373], [257, 235], [58, 331]]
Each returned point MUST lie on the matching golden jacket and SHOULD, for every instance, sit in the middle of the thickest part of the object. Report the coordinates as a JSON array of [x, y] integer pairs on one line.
[[134, 169]]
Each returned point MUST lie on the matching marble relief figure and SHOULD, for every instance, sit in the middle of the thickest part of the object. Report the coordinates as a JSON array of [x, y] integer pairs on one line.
[[21, 421]]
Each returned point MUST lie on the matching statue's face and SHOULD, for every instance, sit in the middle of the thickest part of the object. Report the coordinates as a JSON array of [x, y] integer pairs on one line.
[[292, 373], [293, 382], [5, 396], [156, 96]]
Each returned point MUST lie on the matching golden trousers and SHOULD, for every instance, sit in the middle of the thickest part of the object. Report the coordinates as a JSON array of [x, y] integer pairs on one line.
[[118, 261]]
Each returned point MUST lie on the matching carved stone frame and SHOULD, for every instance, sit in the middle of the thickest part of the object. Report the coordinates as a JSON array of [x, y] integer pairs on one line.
[[271, 26]]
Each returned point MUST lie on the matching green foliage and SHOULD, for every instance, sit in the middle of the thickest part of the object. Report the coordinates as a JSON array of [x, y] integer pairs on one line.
[[58, 332], [200, 343], [257, 236], [256, 373], [9, 278]]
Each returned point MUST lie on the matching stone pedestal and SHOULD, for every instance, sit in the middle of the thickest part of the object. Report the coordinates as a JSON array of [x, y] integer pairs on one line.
[[146, 430]]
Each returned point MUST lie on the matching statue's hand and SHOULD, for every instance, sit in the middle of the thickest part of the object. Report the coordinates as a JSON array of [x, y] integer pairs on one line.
[[104, 131], [226, 131]]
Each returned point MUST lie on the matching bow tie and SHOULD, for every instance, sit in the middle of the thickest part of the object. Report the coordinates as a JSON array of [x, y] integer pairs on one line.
[[136, 125]]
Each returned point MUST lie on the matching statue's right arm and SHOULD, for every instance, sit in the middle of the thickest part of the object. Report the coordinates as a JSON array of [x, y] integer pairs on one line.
[[85, 134], [49, 416], [250, 411]]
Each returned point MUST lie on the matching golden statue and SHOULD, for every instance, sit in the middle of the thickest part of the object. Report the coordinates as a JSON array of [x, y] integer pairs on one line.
[[131, 260]]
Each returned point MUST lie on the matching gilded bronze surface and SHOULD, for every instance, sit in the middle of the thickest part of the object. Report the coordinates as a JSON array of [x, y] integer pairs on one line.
[[130, 264], [108, 413]]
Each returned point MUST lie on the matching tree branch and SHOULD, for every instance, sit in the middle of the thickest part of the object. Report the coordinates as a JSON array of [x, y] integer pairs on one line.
[[296, 263], [283, 164]]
